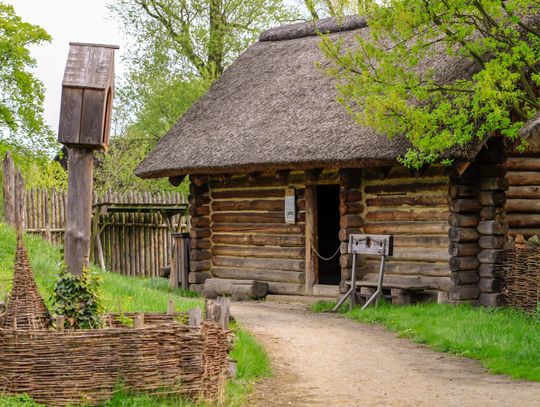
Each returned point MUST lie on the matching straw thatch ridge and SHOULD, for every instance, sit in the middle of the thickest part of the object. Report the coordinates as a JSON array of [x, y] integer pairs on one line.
[[275, 108], [26, 310], [310, 28]]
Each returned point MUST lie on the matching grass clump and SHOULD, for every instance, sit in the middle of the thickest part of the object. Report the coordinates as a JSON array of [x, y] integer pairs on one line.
[[503, 340]]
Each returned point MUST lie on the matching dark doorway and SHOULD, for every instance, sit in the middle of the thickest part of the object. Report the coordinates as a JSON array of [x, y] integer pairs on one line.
[[328, 233]]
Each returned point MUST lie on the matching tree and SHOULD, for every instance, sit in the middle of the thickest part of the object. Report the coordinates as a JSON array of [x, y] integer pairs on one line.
[[336, 8], [178, 48], [383, 85], [21, 94]]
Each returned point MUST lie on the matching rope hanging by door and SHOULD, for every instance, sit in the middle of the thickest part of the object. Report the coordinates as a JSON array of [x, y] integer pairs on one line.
[[319, 255]]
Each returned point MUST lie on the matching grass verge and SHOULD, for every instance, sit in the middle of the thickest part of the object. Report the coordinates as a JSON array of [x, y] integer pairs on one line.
[[503, 340], [131, 294]]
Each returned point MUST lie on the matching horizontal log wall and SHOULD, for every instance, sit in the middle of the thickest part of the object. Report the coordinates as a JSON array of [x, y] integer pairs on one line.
[[523, 195], [249, 239], [414, 210]]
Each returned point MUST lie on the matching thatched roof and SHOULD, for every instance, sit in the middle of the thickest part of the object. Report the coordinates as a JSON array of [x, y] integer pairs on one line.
[[275, 108]]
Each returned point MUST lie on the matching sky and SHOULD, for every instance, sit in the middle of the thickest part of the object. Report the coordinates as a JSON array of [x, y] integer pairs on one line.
[[66, 21]]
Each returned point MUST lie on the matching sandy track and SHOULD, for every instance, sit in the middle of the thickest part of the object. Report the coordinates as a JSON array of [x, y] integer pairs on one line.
[[327, 360]]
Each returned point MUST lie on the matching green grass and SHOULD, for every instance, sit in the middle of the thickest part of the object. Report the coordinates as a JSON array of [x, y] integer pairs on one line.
[[503, 340], [131, 294]]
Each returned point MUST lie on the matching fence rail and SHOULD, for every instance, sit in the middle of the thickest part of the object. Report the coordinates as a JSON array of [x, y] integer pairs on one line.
[[136, 242]]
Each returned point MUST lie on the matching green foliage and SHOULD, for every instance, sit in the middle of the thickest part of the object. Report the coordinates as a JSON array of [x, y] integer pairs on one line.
[[76, 298], [21, 94], [383, 86], [336, 8], [503, 340], [177, 49]]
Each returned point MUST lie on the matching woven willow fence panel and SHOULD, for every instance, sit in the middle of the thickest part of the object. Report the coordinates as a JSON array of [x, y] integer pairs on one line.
[[521, 267], [58, 368]]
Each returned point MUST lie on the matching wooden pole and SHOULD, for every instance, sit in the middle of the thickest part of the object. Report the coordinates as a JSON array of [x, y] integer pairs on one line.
[[79, 209], [9, 186], [311, 238]]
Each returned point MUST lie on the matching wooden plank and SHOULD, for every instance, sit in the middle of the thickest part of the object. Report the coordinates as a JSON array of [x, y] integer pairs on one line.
[[406, 215], [413, 228], [434, 283], [523, 164], [249, 205], [92, 117], [265, 275], [246, 193], [259, 263], [406, 187], [527, 192], [523, 205], [261, 228], [408, 267], [523, 220], [311, 242], [259, 251], [259, 240], [524, 178], [253, 217], [417, 200], [70, 113]]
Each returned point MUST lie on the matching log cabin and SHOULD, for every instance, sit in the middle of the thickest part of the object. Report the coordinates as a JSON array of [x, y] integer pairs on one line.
[[280, 173]]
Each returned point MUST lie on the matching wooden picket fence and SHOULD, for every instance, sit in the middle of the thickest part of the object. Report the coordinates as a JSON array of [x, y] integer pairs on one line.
[[135, 244]]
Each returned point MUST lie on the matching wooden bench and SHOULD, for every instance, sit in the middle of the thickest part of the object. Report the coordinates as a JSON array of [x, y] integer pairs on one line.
[[400, 294]]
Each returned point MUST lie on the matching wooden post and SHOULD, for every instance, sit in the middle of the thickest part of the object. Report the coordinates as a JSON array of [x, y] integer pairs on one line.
[[170, 307], [9, 187], [60, 323], [138, 321], [20, 204], [194, 317], [311, 238], [79, 209]]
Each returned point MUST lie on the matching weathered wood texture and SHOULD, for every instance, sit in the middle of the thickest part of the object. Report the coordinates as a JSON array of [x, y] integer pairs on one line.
[[493, 225], [523, 195], [464, 204], [136, 244], [243, 234], [414, 208]]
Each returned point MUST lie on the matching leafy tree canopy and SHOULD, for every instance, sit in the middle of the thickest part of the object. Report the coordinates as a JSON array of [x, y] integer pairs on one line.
[[336, 8], [21, 94], [177, 48], [382, 86]]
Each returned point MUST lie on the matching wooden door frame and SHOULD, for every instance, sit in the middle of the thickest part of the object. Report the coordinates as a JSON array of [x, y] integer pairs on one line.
[[311, 235]]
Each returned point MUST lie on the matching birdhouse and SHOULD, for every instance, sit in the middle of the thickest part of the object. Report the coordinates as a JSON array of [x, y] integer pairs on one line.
[[87, 94]]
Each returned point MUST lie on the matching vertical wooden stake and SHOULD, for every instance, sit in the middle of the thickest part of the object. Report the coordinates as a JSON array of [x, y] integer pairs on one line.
[[79, 209], [138, 321], [60, 323], [170, 307], [9, 187], [225, 303], [194, 317], [311, 238]]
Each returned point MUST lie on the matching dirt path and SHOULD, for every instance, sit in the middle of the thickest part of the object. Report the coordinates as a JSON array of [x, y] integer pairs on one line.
[[326, 360]]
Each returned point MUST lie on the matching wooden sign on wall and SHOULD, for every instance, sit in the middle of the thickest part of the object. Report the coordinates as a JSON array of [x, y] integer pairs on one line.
[[290, 206]]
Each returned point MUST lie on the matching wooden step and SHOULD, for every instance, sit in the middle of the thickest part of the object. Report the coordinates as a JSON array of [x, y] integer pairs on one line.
[[361, 283]]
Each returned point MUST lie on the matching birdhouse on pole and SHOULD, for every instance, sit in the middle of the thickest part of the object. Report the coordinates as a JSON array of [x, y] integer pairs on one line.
[[87, 94], [85, 118]]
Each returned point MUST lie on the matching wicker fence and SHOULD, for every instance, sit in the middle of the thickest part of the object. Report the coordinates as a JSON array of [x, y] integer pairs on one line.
[[521, 282]]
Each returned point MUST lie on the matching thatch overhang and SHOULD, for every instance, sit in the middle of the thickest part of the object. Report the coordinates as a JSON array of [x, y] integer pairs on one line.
[[275, 108]]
